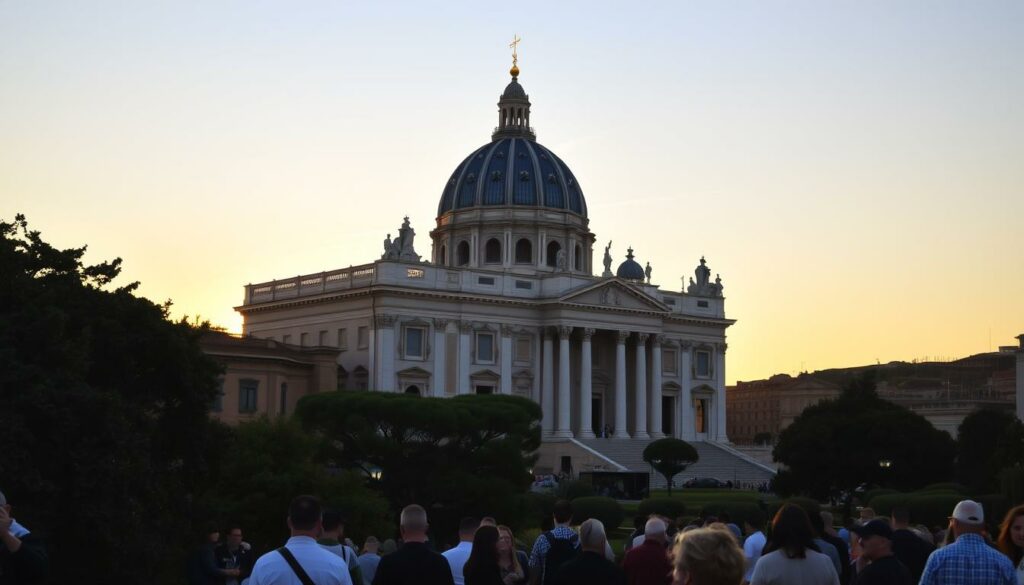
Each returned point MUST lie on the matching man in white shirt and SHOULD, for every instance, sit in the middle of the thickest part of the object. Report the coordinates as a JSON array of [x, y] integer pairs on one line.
[[301, 560], [754, 543], [458, 556]]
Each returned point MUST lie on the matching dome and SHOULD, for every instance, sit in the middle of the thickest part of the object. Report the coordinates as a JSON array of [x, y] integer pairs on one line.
[[513, 171], [514, 91], [630, 269]]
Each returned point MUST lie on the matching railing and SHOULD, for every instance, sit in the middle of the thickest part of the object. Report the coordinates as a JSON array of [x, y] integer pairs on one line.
[[309, 284]]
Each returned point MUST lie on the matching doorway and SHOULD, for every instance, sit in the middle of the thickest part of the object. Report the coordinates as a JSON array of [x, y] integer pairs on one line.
[[668, 411], [597, 416]]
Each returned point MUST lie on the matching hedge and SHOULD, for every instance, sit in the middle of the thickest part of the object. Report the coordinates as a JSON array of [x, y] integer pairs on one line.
[[947, 486], [738, 511], [872, 494], [669, 507], [928, 509], [607, 510]]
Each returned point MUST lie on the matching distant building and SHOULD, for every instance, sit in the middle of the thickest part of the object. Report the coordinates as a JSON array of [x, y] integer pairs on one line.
[[942, 392], [266, 377]]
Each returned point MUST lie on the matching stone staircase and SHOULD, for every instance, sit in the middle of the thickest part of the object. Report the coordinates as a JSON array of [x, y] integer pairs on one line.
[[716, 460]]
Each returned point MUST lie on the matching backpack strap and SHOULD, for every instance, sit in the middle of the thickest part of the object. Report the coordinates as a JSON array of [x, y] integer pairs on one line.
[[296, 567]]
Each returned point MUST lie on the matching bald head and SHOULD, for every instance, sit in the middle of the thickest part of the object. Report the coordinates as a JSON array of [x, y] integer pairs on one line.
[[655, 529]]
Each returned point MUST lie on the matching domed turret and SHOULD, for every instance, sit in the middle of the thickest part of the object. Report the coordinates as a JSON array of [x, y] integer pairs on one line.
[[630, 269]]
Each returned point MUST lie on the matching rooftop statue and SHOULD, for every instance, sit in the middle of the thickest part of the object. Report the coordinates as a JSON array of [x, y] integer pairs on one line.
[[401, 248], [703, 286], [608, 259]]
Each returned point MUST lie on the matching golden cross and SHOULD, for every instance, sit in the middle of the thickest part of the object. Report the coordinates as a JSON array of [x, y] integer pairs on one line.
[[515, 41]]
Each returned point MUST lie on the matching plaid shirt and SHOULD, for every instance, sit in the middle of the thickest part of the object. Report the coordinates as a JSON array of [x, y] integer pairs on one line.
[[542, 546], [968, 561]]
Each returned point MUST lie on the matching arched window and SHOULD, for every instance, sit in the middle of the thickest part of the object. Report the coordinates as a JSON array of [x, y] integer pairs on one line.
[[462, 254], [524, 251], [492, 251], [442, 257], [553, 249], [414, 389], [577, 260]]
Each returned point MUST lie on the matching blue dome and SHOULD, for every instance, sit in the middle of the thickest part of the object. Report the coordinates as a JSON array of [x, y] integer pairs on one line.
[[630, 269], [512, 171]]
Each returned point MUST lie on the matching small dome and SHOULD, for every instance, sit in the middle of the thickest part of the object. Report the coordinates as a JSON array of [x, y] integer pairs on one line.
[[630, 269], [514, 91]]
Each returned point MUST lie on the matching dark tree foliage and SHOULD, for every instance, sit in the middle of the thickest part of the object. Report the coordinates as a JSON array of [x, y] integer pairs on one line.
[[988, 441], [272, 461], [468, 455], [836, 445], [104, 427], [670, 456]]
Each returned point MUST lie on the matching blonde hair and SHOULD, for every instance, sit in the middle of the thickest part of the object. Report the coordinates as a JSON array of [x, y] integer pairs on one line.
[[516, 567], [709, 555]]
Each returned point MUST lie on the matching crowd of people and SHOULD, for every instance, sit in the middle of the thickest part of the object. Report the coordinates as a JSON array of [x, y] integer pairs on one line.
[[797, 548]]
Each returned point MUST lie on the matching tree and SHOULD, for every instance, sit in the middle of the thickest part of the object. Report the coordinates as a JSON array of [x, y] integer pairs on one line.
[[457, 456], [669, 457], [836, 445], [271, 462], [988, 441], [104, 424]]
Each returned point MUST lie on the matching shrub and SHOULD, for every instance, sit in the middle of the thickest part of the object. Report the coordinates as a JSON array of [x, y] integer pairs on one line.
[[874, 493], [670, 507], [946, 486], [738, 511], [1011, 481], [928, 509], [570, 490], [541, 508], [996, 506], [607, 510]]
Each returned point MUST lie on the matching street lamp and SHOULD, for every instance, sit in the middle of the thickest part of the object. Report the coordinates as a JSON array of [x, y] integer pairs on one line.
[[375, 473], [885, 465]]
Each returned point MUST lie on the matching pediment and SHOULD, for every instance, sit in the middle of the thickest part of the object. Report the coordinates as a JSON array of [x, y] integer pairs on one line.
[[614, 295], [485, 375], [414, 372]]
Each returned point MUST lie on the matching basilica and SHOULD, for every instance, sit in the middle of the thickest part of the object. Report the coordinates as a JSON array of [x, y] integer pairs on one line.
[[508, 300]]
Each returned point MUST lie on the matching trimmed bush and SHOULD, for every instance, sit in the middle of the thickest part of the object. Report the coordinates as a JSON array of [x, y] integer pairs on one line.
[[872, 494], [607, 510], [670, 507], [946, 486], [570, 490], [927, 509], [996, 506], [738, 511]]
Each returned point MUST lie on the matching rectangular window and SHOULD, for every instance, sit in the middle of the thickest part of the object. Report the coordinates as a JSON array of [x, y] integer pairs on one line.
[[702, 304], [703, 363], [247, 395], [485, 348], [523, 349], [342, 339], [287, 339], [323, 338], [414, 343], [669, 361], [485, 280], [363, 334], [218, 401], [304, 339], [524, 284], [283, 407]]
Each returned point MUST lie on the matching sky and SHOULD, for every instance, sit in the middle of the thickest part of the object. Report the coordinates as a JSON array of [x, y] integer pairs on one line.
[[854, 170]]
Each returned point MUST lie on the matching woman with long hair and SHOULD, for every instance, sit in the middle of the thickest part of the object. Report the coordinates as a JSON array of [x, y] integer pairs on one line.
[[512, 562], [1011, 539], [482, 565], [791, 557], [707, 556]]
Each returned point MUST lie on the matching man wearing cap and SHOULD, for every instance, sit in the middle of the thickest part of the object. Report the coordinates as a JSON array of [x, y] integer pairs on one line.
[[969, 560], [876, 548], [22, 556]]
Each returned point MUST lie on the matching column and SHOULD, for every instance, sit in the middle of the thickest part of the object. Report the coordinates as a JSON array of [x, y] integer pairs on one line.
[[620, 385], [640, 389], [586, 386], [720, 434], [547, 391], [1020, 378], [564, 398], [655, 425], [686, 421], [386, 332], [506, 359], [373, 349], [438, 387], [465, 355]]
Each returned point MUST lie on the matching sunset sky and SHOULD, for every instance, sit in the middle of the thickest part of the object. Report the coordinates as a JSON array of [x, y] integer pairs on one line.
[[853, 170]]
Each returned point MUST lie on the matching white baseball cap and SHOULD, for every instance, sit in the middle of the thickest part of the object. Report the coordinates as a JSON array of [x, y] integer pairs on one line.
[[969, 512]]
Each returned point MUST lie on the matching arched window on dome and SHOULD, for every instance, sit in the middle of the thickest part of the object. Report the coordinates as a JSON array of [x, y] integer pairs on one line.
[[524, 251], [553, 249], [577, 259], [492, 251], [462, 254]]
